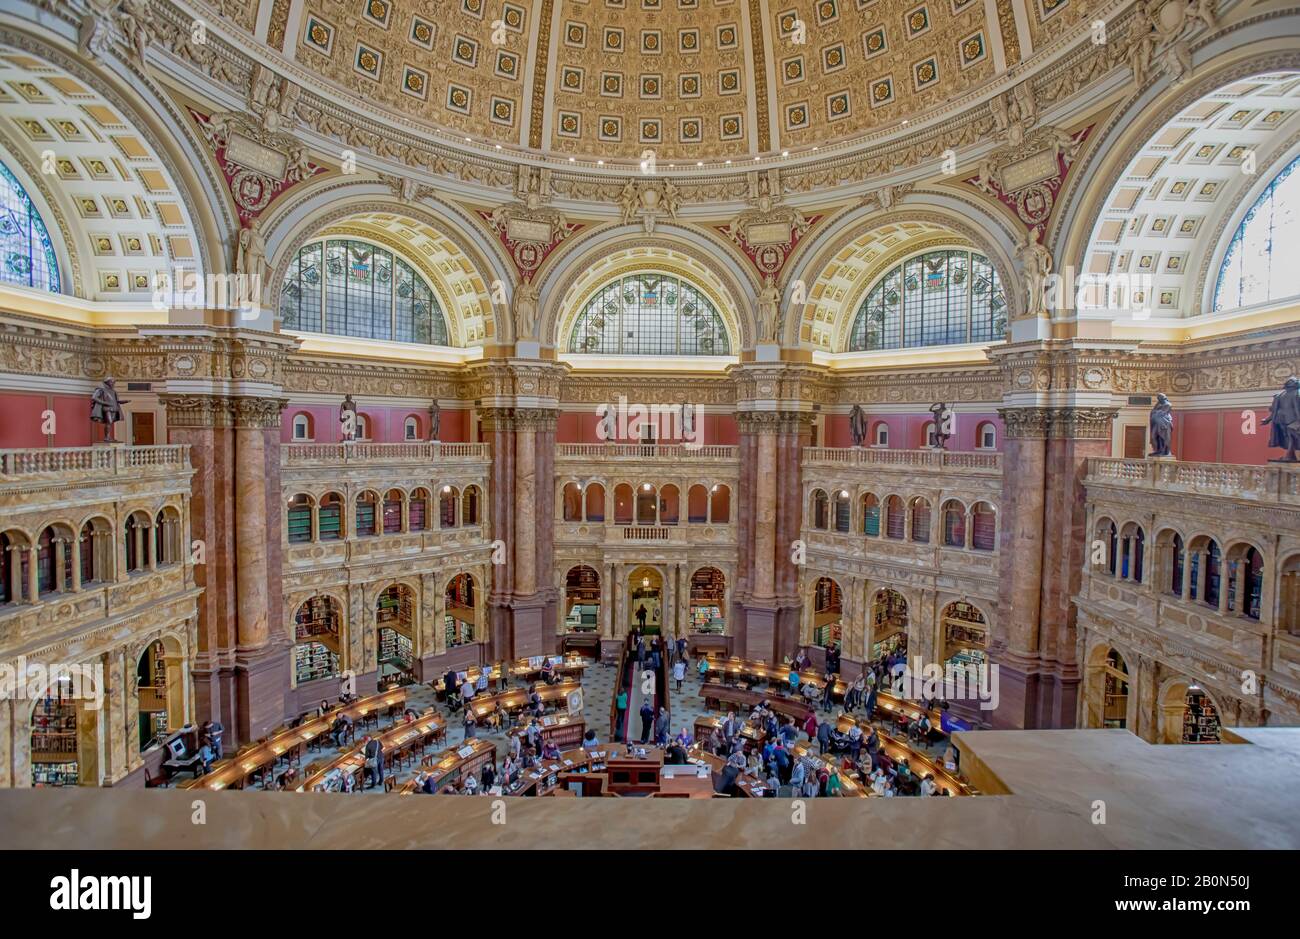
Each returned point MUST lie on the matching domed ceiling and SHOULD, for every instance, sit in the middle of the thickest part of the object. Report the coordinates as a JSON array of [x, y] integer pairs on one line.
[[692, 80]]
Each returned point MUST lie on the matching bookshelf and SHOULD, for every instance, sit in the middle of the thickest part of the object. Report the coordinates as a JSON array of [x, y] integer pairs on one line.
[[395, 649], [458, 631], [317, 619], [396, 610], [313, 660], [54, 743], [708, 597], [1200, 718]]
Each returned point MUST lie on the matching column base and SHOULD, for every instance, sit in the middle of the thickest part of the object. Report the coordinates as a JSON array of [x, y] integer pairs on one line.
[[1031, 696], [261, 686], [770, 632]]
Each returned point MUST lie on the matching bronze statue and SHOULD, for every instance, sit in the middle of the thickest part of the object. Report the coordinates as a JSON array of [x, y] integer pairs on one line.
[[106, 408], [348, 418], [942, 422], [1284, 415], [858, 425], [435, 421], [1161, 427]]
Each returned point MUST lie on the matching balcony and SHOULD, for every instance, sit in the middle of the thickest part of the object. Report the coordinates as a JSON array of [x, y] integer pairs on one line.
[[380, 454], [74, 463], [966, 463], [1275, 483]]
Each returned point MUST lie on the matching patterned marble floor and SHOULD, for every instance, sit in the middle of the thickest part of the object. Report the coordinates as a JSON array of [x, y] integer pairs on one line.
[[598, 691]]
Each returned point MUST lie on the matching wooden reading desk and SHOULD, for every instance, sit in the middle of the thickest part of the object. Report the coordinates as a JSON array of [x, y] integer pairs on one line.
[[452, 764], [517, 698], [397, 741], [235, 772]]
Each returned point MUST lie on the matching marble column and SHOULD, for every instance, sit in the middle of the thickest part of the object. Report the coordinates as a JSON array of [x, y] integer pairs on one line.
[[765, 517], [1042, 547]]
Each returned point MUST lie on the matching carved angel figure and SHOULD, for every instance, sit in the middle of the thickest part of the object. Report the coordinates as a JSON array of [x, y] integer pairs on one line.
[[1035, 264]]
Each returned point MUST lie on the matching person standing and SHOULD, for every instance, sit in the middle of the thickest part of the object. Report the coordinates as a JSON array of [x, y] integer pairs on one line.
[[681, 648], [824, 737], [374, 754], [661, 727], [679, 672], [621, 703], [647, 720]]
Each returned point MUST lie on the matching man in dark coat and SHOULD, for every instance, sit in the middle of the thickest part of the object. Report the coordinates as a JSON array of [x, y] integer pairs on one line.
[[1284, 416], [647, 720]]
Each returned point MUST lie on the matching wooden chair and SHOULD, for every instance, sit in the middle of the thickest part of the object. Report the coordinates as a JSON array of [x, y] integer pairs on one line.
[[390, 783]]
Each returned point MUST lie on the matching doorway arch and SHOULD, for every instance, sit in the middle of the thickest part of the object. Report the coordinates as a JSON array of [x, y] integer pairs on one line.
[[645, 590]]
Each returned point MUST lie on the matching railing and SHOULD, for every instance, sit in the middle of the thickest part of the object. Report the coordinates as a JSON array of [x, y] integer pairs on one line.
[[643, 451], [1272, 483], [640, 533], [114, 460], [924, 459], [308, 454]]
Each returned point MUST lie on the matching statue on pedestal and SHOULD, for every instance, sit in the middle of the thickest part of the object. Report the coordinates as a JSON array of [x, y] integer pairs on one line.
[[435, 421], [858, 425], [1161, 427], [106, 408], [348, 418], [1284, 416], [942, 425]]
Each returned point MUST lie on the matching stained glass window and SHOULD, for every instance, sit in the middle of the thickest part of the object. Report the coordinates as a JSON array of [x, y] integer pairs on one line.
[[934, 299], [650, 314], [1249, 275], [26, 252], [354, 288]]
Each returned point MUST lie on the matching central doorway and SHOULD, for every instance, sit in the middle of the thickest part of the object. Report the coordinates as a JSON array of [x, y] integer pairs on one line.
[[645, 587]]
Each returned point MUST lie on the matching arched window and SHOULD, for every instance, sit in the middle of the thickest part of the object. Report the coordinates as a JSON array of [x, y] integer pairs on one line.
[[411, 428], [331, 517], [353, 288], [871, 515], [572, 502], [983, 527], [843, 511], [301, 427], [895, 521], [986, 436], [933, 299], [362, 431], [1245, 569], [1258, 266], [623, 504], [1132, 552], [595, 503], [881, 435], [720, 505], [26, 252], [646, 505], [921, 520], [447, 507], [820, 510], [650, 313], [418, 510], [367, 515], [954, 524], [469, 506], [697, 504], [298, 524], [393, 511], [669, 505]]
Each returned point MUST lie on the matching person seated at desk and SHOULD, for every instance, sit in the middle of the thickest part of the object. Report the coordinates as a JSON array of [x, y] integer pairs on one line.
[[920, 730], [534, 734], [811, 694], [675, 755], [589, 741], [703, 668], [286, 780], [550, 751], [341, 729], [509, 770], [323, 709], [471, 785], [726, 784], [426, 783], [685, 738], [205, 758], [548, 671], [529, 759], [409, 716], [212, 734], [928, 788]]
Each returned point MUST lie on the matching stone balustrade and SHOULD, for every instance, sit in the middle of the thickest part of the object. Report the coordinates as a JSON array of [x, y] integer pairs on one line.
[[964, 462], [360, 453], [1272, 483], [79, 462], [623, 452]]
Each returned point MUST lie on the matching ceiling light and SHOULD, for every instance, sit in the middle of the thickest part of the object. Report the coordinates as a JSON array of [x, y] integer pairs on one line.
[[646, 487]]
